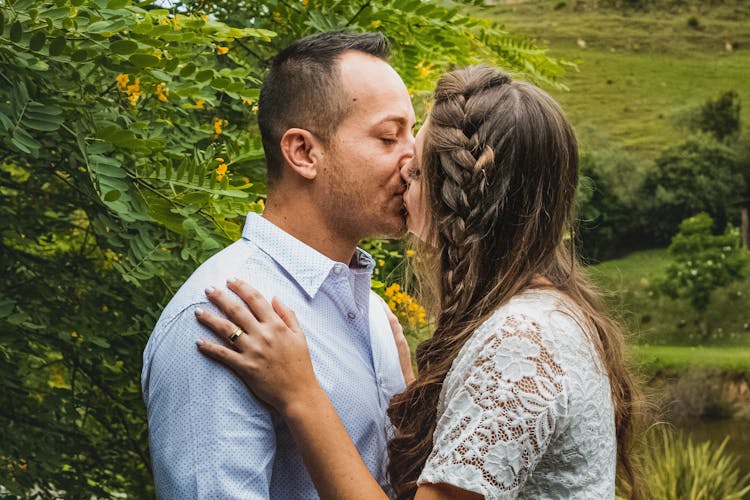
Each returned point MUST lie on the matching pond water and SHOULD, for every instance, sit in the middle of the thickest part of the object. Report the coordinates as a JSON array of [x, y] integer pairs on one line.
[[715, 431]]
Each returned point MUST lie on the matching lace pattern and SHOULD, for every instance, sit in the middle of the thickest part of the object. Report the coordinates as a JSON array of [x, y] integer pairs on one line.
[[510, 405]]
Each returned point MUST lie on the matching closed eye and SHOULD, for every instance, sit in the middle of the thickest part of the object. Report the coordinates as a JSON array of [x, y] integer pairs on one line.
[[389, 140]]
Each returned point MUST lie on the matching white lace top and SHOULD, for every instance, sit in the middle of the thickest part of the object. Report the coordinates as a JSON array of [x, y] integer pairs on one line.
[[526, 408]]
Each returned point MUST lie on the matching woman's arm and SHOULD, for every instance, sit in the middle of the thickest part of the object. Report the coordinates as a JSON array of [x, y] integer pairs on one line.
[[273, 360]]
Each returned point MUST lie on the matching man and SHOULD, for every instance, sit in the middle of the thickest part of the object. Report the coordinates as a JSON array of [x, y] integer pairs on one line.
[[336, 122]]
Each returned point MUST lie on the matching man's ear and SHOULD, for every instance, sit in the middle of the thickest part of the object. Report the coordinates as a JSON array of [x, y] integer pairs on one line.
[[302, 151]]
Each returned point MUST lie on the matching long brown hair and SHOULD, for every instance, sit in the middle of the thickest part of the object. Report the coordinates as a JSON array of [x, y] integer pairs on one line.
[[500, 165]]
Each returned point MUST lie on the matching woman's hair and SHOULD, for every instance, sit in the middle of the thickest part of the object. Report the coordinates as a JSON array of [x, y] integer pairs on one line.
[[500, 171]]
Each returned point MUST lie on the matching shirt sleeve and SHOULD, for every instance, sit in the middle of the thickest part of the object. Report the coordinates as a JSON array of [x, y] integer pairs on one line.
[[209, 436], [501, 408]]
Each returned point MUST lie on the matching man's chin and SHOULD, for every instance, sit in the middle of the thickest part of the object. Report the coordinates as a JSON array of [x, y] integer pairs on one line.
[[396, 230]]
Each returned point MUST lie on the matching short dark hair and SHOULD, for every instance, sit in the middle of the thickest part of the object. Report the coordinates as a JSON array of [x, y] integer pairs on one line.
[[303, 89]]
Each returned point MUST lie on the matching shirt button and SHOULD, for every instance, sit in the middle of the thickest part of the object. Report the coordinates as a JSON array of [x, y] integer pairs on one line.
[[351, 315], [337, 269]]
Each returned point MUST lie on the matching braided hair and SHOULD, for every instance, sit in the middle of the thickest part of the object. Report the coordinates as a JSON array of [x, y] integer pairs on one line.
[[500, 167]]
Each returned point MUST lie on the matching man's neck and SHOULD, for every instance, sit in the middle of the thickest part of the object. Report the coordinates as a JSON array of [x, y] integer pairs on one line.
[[311, 230]]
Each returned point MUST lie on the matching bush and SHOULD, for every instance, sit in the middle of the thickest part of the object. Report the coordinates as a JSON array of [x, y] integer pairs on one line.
[[703, 262], [676, 468], [721, 116], [607, 207], [700, 175]]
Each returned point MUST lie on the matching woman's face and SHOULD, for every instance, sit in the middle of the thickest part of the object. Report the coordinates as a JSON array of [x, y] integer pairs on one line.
[[416, 209]]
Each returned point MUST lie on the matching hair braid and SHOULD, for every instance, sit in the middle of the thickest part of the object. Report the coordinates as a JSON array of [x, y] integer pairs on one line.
[[500, 167]]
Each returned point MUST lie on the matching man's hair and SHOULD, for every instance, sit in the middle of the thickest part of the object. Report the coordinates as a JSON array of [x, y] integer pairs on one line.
[[303, 89]]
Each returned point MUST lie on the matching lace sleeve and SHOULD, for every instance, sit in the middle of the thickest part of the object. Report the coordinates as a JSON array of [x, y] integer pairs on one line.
[[500, 407]]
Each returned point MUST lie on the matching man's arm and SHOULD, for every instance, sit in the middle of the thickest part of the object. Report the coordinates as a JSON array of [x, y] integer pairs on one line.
[[209, 437]]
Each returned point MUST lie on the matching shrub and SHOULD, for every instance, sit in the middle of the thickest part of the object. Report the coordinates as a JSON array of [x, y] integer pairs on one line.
[[703, 262], [721, 116], [700, 175]]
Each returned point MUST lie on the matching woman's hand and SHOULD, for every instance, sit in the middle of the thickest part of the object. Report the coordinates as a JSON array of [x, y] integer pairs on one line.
[[404, 353], [270, 355]]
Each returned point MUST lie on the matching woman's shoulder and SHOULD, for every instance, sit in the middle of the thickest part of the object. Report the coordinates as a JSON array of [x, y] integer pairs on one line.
[[540, 325], [547, 314]]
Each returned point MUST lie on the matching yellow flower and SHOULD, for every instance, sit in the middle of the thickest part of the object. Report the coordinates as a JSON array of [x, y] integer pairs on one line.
[[123, 80], [218, 126], [410, 253], [199, 103], [134, 92], [262, 203], [375, 24], [305, 2], [205, 17], [247, 101], [381, 262], [176, 22], [222, 50], [221, 171], [424, 69], [160, 92]]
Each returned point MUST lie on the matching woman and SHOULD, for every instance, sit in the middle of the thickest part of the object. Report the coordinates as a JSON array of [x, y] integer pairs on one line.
[[522, 390]]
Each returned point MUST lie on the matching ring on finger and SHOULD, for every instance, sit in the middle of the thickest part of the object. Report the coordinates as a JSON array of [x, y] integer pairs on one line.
[[236, 334]]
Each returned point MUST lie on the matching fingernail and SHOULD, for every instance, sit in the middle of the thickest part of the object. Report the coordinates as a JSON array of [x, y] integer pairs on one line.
[[210, 290], [232, 279], [199, 341], [198, 311]]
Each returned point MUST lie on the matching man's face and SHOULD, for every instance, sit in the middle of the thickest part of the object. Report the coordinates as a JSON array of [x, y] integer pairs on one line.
[[362, 186]]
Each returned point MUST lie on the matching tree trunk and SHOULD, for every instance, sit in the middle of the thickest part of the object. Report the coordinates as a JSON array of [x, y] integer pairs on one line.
[[745, 227]]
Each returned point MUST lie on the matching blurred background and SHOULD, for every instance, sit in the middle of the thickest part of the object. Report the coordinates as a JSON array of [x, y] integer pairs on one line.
[[129, 154]]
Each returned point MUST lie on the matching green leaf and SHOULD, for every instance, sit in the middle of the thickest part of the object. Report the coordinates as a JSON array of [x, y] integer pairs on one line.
[[16, 32], [123, 47], [79, 55], [188, 70], [112, 195], [23, 141], [57, 45], [37, 41], [117, 4], [204, 75], [42, 125], [144, 60]]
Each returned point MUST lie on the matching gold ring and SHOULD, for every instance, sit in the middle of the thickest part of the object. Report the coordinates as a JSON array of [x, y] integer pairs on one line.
[[235, 334]]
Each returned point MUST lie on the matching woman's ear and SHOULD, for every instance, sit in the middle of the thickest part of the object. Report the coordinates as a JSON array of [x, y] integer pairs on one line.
[[302, 151]]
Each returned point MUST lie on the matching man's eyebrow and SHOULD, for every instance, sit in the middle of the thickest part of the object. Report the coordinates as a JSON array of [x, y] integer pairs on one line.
[[394, 118]]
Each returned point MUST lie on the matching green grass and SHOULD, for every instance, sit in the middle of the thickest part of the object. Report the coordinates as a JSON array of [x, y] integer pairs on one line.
[[640, 72], [659, 320], [677, 358]]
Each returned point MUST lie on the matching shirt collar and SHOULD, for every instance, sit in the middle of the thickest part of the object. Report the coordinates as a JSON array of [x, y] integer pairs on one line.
[[308, 267]]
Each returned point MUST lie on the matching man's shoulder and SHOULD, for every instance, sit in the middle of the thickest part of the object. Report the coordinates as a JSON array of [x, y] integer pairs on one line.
[[241, 259]]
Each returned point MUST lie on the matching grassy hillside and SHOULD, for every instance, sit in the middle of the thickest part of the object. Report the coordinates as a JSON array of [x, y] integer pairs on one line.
[[638, 72]]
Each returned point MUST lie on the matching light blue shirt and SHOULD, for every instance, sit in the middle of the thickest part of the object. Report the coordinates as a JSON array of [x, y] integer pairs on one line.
[[210, 437]]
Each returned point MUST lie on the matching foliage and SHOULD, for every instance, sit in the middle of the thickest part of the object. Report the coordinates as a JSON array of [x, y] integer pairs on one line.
[[608, 208], [703, 262], [721, 116], [129, 155], [699, 175], [677, 469]]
